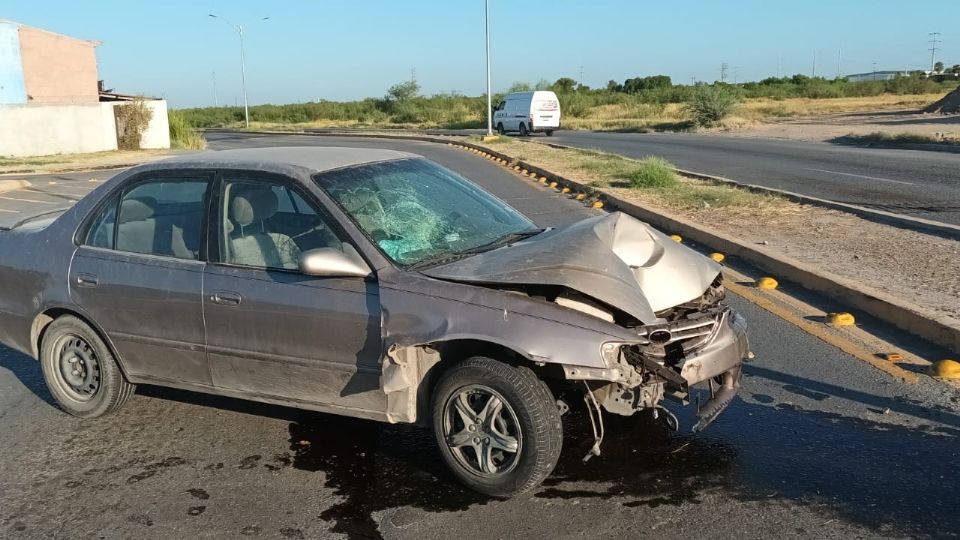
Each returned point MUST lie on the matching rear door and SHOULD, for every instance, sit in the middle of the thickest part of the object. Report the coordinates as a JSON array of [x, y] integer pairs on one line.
[[139, 271], [545, 110], [272, 331]]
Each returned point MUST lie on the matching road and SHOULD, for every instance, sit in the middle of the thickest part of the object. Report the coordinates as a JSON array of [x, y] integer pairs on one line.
[[917, 183], [819, 445]]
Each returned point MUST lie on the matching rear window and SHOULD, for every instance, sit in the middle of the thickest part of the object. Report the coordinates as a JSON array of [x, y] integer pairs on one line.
[[546, 105]]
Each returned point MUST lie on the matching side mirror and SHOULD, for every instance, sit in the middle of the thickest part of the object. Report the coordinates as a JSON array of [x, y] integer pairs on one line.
[[331, 262]]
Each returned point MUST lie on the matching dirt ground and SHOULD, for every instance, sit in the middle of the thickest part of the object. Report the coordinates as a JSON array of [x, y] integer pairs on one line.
[[830, 127], [917, 267]]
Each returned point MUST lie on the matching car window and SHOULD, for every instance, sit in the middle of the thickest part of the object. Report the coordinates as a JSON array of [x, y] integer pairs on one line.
[[267, 225], [162, 217], [101, 230]]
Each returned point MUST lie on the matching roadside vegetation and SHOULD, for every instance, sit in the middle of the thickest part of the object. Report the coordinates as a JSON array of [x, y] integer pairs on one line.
[[637, 104], [182, 134], [651, 180], [882, 137]]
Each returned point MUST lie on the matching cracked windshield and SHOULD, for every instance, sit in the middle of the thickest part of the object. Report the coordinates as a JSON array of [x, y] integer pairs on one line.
[[418, 213]]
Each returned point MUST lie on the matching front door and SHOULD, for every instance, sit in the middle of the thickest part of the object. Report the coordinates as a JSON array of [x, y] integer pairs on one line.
[[138, 275], [273, 332]]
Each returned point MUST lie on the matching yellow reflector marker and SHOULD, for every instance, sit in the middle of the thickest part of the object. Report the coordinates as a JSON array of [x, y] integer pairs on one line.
[[946, 369], [581, 196], [565, 190], [598, 204], [840, 319], [552, 184], [516, 167], [894, 357], [543, 178], [676, 238], [718, 257], [767, 283], [524, 171]]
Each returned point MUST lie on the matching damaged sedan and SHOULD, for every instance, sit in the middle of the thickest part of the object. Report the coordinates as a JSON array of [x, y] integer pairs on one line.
[[368, 283]]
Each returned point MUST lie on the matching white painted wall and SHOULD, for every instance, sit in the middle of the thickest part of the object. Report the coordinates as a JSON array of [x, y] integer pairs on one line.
[[39, 130]]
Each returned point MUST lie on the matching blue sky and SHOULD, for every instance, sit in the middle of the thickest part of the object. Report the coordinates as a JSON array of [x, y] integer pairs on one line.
[[349, 49]]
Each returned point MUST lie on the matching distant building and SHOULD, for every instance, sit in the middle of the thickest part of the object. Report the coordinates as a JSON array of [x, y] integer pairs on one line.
[[38, 66], [876, 76], [51, 101]]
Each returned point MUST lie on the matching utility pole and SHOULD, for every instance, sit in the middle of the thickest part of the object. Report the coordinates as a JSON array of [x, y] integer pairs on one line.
[[581, 75], [486, 11], [935, 37], [413, 74], [216, 100], [813, 73], [723, 72], [839, 60]]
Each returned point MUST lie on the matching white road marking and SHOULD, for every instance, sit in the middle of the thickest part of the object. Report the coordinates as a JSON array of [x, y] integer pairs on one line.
[[863, 176], [9, 211], [26, 200]]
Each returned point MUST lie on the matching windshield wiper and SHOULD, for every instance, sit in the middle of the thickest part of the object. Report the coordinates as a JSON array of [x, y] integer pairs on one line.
[[462, 254]]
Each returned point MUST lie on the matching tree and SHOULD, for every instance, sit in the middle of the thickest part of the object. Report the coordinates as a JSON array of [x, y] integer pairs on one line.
[[564, 84], [543, 84], [955, 69], [403, 91], [938, 67], [614, 86], [519, 87]]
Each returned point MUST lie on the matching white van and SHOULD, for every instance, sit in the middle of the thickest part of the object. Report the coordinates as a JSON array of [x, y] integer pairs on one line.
[[528, 112]]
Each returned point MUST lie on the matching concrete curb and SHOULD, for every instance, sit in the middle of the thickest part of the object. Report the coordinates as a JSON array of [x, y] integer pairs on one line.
[[936, 228], [907, 316], [13, 185], [931, 147]]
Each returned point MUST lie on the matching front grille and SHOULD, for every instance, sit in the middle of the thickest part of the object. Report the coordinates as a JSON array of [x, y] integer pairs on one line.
[[687, 334]]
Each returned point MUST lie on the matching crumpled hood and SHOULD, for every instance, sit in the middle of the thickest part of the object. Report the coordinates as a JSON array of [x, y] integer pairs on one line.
[[616, 259]]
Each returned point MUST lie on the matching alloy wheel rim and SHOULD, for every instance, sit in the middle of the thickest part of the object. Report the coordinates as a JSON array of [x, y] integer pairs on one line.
[[77, 367], [482, 431]]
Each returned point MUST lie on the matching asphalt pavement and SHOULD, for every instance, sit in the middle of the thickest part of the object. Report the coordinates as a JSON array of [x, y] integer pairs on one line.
[[913, 182], [819, 444]]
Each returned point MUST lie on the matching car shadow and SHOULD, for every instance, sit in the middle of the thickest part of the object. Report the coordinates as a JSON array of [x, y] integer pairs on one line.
[[27, 371]]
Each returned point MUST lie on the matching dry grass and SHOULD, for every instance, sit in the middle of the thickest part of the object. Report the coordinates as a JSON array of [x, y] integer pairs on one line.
[[66, 161], [651, 179]]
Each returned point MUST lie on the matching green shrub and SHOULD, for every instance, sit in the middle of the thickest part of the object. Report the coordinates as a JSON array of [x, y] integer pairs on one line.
[[182, 135], [710, 104], [652, 172]]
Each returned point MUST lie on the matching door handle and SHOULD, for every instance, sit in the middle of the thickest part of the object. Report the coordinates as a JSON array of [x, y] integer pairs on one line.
[[226, 298], [87, 280]]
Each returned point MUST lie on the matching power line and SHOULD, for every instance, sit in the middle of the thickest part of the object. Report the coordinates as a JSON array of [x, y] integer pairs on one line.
[[723, 72], [933, 50]]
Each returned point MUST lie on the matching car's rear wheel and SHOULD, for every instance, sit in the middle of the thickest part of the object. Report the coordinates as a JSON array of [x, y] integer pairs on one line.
[[549, 132], [498, 426], [80, 371], [500, 129], [523, 130]]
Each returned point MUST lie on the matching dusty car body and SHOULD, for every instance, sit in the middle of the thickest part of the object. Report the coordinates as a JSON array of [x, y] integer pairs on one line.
[[354, 312]]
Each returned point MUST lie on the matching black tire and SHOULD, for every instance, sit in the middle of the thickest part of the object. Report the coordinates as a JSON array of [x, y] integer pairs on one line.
[[528, 415], [500, 129], [523, 130], [80, 371], [549, 132]]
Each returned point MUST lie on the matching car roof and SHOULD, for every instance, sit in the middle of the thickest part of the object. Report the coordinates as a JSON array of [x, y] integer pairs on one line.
[[312, 158]]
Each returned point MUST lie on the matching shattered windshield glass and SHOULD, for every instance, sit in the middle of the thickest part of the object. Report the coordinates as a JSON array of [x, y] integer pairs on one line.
[[418, 212]]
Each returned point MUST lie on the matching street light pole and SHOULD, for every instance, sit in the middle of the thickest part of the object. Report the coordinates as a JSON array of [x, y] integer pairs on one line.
[[489, 96], [243, 67]]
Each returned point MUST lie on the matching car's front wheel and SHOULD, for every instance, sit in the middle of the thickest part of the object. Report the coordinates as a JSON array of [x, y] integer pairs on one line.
[[523, 130], [498, 426], [80, 371]]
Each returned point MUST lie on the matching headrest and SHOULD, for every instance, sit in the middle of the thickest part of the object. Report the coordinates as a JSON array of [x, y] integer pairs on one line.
[[252, 204], [137, 209]]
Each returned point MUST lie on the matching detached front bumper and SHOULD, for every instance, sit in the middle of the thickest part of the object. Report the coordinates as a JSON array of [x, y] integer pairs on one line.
[[719, 364]]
